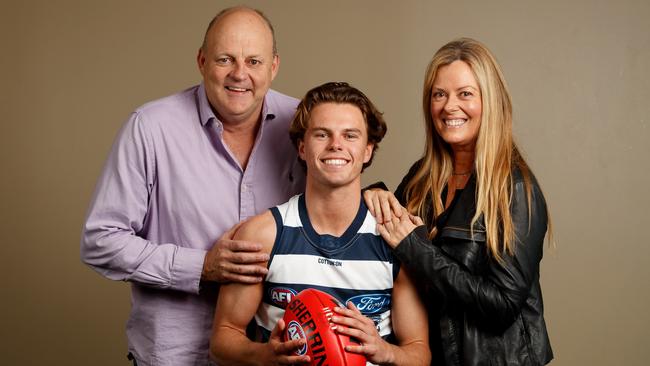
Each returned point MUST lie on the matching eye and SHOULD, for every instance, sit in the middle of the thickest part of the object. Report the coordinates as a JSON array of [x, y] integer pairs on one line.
[[254, 62], [438, 95], [351, 136], [224, 60], [466, 94]]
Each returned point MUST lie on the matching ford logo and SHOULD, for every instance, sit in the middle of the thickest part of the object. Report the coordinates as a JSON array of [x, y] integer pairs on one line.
[[371, 303], [282, 296], [294, 331]]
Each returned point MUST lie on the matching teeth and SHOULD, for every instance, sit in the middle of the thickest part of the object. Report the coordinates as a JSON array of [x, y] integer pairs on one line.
[[454, 122], [335, 162], [236, 89]]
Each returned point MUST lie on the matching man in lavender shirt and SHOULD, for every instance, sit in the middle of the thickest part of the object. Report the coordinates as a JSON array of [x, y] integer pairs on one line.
[[184, 170]]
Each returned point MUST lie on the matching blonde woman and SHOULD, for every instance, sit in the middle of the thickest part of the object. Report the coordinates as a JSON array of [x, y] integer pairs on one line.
[[478, 251]]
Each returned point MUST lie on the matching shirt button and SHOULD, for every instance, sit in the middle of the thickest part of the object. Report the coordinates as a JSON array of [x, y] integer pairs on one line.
[[244, 188]]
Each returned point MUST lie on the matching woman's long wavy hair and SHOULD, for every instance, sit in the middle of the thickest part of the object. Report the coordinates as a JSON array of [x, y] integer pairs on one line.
[[495, 156]]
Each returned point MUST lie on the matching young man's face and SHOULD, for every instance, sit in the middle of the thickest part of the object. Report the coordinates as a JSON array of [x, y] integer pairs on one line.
[[335, 145]]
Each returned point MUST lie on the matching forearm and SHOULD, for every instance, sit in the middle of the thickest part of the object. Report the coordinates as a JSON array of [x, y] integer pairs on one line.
[[110, 243], [121, 204], [230, 346], [483, 295], [123, 256], [412, 354]]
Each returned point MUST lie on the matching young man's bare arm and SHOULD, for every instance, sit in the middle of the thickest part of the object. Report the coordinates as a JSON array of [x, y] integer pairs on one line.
[[410, 323], [236, 307]]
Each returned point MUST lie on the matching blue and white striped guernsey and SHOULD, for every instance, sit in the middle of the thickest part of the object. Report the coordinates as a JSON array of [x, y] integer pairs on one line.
[[357, 267]]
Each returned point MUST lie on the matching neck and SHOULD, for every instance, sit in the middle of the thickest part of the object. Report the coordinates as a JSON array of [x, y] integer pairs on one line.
[[463, 161], [331, 211], [240, 138], [463, 165]]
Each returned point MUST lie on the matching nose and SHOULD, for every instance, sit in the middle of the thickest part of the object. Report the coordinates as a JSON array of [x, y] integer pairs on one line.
[[238, 71], [451, 105], [335, 143]]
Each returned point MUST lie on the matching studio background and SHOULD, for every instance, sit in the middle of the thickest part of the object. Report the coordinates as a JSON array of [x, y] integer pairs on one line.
[[72, 71]]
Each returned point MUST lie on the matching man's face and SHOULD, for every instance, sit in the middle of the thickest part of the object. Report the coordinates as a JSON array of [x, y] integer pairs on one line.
[[335, 145], [238, 66]]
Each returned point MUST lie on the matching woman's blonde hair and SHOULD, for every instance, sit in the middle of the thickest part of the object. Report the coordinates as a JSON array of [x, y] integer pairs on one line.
[[495, 156]]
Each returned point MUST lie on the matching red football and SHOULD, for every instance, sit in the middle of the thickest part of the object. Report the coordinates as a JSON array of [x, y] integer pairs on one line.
[[308, 316]]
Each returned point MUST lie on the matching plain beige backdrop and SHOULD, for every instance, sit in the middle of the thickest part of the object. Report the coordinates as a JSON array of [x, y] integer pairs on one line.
[[72, 71]]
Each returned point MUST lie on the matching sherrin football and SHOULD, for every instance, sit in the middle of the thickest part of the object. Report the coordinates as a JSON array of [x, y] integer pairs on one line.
[[308, 316]]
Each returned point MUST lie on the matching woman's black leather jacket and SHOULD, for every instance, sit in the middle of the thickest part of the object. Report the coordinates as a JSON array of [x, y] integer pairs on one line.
[[486, 313]]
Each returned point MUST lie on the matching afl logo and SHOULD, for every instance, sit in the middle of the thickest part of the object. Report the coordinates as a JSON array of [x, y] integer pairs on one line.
[[371, 303], [281, 296], [294, 331]]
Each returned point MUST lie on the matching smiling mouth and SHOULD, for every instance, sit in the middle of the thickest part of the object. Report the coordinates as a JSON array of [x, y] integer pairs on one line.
[[236, 89], [457, 122], [335, 162]]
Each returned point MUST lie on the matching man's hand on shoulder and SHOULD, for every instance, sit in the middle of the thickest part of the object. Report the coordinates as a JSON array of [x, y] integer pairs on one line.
[[235, 259]]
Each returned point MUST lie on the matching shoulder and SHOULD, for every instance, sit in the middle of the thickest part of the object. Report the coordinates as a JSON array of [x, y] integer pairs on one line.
[[181, 104], [524, 180], [282, 105], [527, 196], [400, 192], [289, 212], [171, 117], [414, 168], [260, 229], [277, 97]]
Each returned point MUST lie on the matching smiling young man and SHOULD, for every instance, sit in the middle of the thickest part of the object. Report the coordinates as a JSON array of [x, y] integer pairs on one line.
[[325, 239]]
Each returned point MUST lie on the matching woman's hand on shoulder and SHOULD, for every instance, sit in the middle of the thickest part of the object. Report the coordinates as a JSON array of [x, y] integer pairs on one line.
[[383, 205], [398, 228]]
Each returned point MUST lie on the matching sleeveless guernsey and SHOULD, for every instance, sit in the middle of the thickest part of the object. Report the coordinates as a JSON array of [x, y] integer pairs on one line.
[[357, 267]]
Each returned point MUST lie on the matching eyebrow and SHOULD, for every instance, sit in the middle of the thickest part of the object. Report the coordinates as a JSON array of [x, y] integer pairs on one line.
[[461, 88], [317, 128], [232, 55]]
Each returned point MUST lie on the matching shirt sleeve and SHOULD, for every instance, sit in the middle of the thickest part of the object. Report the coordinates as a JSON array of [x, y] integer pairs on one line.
[[112, 242]]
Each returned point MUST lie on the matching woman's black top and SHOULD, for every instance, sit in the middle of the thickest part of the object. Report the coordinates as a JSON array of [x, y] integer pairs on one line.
[[481, 312]]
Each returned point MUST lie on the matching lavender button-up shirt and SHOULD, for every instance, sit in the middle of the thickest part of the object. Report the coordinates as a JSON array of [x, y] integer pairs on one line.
[[169, 189]]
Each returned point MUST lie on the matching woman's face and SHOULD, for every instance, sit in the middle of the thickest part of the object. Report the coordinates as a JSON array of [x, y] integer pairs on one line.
[[456, 105]]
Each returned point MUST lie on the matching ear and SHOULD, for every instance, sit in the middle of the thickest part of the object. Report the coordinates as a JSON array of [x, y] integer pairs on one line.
[[200, 60], [301, 149], [275, 66], [368, 153]]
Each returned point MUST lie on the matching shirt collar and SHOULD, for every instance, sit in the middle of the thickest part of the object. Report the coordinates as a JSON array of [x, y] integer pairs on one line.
[[206, 114]]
